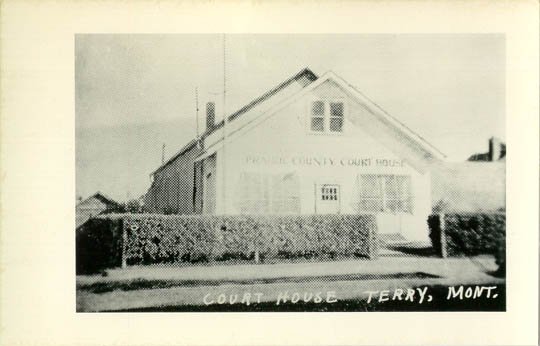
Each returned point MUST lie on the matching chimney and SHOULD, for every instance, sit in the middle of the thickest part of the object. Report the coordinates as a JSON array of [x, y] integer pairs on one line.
[[210, 115], [495, 149]]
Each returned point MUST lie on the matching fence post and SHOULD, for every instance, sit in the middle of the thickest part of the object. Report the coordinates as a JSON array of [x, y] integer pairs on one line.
[[373, 243], [124, 244], [442, 227], [256, 242]]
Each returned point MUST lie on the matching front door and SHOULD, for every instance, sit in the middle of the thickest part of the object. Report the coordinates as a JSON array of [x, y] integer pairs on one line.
[[328, 199], [395, 192]]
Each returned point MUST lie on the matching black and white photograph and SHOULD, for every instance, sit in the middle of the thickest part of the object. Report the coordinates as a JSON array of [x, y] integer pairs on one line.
[[261, 173], [280, 173]]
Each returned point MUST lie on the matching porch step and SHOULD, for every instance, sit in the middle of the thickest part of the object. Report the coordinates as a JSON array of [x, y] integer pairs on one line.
[[391, 238]]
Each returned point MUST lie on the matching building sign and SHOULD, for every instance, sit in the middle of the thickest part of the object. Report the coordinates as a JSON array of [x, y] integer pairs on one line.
[[324, 161]]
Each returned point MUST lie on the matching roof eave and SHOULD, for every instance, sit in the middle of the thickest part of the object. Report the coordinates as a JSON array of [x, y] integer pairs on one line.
[[306, 72]]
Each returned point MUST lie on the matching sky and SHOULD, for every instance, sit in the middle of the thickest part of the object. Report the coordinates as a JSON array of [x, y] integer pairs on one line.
[[135, 92]]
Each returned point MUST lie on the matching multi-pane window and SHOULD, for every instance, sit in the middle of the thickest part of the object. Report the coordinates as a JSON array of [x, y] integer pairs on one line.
[[329, 192], [384, 193], [269, 194], [336, 116], [370, 193], [317, 116], [327, 116]]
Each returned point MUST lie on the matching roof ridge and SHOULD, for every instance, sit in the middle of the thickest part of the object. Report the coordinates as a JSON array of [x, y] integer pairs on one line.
[[306, 71], [100, 195], [374, 108]]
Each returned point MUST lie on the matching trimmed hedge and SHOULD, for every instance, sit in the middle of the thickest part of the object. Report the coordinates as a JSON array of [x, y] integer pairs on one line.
[[99, 245], [434, 225], [153, 238], [470, 234]]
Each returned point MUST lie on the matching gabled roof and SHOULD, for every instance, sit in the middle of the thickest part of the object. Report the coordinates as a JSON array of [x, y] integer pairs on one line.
[[181, 152], [101, 197], [83, 214], [312, 81], [373, 108], [305, 75]]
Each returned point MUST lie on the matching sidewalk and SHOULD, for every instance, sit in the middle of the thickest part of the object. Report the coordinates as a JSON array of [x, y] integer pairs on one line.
[[450, 267], [336, 276]]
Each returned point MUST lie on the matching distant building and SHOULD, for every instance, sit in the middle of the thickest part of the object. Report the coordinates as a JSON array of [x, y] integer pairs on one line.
[[477, 185], [311, 145], [497, 151], [94, 205]]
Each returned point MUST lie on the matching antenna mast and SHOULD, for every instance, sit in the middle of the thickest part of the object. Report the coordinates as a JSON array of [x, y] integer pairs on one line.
[[197, 115], [224, 160]]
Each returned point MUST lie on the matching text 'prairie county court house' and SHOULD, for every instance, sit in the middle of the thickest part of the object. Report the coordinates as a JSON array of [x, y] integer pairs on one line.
[[311, 145]]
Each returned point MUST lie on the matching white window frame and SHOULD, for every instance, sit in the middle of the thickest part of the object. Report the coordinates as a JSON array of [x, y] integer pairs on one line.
[[382, 180], [326, 116], [268, 195]]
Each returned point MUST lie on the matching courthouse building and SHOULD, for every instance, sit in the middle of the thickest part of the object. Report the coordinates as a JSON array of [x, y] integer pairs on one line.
[[312, 145]]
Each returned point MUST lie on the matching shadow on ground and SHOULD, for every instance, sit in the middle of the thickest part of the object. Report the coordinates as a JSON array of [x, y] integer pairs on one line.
[[141, 284], [413, 250]]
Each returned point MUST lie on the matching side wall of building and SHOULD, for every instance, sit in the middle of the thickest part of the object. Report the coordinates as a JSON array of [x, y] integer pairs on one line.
[[173, 186]]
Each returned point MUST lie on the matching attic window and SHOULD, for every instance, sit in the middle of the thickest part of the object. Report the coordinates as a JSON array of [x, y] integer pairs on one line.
[[317, 116], [336, 116], [327, 116]]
